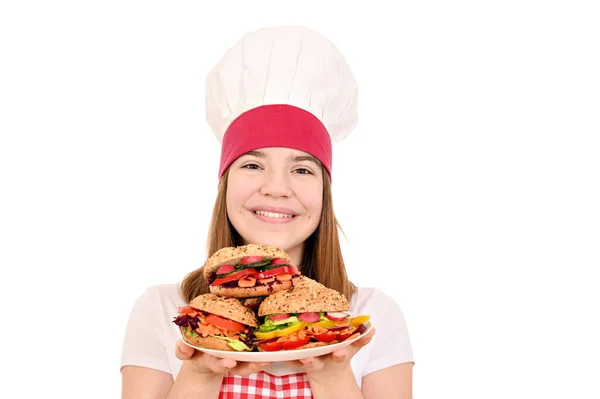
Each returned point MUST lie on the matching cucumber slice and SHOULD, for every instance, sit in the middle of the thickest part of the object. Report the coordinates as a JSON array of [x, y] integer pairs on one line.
[[269, 267], [240, 267], [255, 264], [289, 320]]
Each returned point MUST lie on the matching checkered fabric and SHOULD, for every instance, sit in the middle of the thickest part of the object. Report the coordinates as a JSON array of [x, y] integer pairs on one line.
[[264, 385]]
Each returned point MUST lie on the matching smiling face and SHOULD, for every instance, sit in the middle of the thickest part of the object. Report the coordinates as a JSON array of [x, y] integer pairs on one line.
[[275, 196]]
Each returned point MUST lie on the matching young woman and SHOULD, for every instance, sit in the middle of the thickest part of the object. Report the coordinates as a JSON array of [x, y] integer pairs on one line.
[[275, 100]]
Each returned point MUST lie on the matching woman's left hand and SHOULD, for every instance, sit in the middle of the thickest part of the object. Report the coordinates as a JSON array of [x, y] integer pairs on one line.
[[321, 369]]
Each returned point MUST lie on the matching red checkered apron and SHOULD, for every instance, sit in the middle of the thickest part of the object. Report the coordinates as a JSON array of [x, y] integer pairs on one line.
[[265, 385]]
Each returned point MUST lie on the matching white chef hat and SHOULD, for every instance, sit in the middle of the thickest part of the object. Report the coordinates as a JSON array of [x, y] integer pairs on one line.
[[285, 86]]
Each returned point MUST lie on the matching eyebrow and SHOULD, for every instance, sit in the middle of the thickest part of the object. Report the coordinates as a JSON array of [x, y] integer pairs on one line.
[[298, 158]]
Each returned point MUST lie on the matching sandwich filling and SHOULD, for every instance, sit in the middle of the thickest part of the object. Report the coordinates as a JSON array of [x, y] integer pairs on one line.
[[203, 324], [293, 330], [253, 271]]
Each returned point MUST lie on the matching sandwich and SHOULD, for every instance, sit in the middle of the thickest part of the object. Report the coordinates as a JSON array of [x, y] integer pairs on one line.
[[249, 271], [214, 322], [305, 316]]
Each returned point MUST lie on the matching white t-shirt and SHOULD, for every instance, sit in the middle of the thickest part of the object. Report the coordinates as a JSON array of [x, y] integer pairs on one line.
[[151, 335]]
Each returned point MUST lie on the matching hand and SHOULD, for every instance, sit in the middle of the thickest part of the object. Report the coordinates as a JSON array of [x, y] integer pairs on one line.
[[208, 365], [324, 367]]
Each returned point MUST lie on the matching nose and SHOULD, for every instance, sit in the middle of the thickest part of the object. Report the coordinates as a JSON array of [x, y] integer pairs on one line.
[[276, 184]]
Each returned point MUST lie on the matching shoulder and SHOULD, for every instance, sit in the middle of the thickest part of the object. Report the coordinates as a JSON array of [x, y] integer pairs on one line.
[[373, 300], [160, 296]]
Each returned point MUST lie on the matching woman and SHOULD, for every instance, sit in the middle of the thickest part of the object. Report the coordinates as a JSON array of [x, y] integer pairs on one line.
[[275, 100]]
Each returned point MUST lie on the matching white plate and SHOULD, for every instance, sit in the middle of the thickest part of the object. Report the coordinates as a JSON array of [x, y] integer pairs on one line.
[[280, 356]]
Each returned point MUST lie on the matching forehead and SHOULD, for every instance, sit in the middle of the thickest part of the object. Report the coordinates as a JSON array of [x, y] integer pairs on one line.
[[282, 153]]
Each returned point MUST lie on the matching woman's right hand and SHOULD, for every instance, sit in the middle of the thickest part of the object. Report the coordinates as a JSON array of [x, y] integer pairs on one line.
[[208, 366]]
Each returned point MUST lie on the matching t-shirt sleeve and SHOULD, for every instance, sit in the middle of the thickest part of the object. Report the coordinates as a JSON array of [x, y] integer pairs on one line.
[[143, 344], [391, 343]]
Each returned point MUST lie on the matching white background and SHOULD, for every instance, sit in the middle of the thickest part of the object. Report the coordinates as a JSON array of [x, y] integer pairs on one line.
[[469, 191]]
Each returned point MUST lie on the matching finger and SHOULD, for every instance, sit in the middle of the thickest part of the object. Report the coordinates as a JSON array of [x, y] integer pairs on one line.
[[293, 363], [245, 369], [183, 351], [312, 364], [354, 347], [364, 341], [340, 355], [221, 365]]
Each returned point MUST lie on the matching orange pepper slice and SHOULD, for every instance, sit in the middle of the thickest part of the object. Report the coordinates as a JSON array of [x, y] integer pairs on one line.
[[358, 320]]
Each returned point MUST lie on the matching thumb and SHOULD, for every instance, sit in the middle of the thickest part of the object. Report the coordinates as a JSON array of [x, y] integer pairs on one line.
[[183, 351]]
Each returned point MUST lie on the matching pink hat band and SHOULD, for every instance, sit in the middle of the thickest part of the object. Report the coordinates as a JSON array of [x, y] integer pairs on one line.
[[278, 125]]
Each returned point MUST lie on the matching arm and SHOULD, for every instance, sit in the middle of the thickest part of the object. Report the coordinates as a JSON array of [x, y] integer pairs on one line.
[[394, 382], [342, 385], [141, 382], [145, 383]]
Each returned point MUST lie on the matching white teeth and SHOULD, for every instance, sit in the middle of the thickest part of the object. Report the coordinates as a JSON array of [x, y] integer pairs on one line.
[[273, 214]]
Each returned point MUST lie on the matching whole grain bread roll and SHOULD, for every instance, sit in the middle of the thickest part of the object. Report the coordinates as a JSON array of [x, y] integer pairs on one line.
[[232, 255], [306, 295], [230, 308], [208, 342]]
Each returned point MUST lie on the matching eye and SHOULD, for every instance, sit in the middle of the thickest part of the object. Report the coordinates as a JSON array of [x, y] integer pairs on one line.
[[250, 166], [303, 171]]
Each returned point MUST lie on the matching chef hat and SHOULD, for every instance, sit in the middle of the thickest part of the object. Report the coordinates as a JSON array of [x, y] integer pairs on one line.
[[281, 87]]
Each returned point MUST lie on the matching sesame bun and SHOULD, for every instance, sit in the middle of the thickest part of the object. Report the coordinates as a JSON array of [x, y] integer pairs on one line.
[[233, 255], [306, 295], [208, 342], [229, 308]]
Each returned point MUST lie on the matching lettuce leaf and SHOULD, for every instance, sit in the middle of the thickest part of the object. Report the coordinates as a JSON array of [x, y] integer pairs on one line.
[[234, 343]]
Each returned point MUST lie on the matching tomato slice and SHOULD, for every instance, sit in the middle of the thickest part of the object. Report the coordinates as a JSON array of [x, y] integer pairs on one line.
[[326, 337], [234, 276], [280, 261], [225, 269], [270, 346], [250, 259], [186, 310], [277, 271], [295, 344], [224, 323]]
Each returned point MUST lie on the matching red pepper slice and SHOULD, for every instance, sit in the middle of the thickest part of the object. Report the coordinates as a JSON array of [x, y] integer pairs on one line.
[[294, 344], [234, 276], [326, 337], [280, 261], [343, 334], [277, 271], [270, 346]]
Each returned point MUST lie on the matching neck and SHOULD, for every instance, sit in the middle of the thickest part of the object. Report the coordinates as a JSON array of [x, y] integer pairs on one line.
[[296, 255]]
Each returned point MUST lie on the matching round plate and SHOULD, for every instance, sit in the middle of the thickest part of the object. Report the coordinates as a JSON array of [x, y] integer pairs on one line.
[[280, 356]]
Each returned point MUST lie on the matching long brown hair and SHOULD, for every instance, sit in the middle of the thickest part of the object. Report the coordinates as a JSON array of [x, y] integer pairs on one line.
[[321, 259]]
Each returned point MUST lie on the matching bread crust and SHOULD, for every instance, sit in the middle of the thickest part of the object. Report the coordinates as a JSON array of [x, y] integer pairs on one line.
[[230, 308], [307, 346], [232, 255], [240, 292], [306, 295], [208, 342]]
